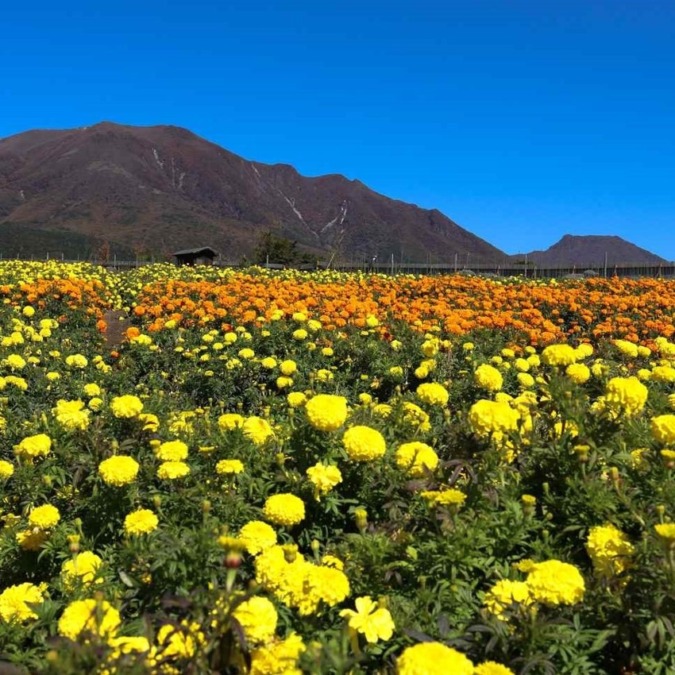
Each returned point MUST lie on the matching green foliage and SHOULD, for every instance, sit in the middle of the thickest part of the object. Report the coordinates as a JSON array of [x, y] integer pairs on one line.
[[272, 248]]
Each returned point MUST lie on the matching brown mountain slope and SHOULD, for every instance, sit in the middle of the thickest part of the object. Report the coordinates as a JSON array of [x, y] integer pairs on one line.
[[590, 250], [163, 188]]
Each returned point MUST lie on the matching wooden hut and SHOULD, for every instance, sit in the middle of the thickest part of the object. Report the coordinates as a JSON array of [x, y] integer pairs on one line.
[[195, 256]]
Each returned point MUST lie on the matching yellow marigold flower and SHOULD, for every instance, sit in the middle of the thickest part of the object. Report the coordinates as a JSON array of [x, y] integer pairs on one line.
[[382, 410], [257, 430], [666, 531], [433, 658], [416, 458], [584, 350], [70, 415], [369, 619], [504, 594], [15, 362], [82, 567], [488, 377], [326, 412], [92, 389], [229, 466], [396, 371], [16, 602], [363, 444], [32, 539], [568, 427], [284, 382], [493, 419], [269, 362], [172, 451], [559, 355], [492, 668], [28, 311], [627, 348], [230, 421], [258, 619], [246, 353], [326, 584], [6, 469], [534, 360], [637, 458], [521, 365], [324, 375], [95, 403], [525, 380], [284, 509], [663, 429], [578, 372], [324, 477], [668, 457], [17, 382], [609, 550], [141, 521], [296, 399], [44, 517], [118, 470], [556, 583], [127, 406], [433, 393], [128, 645], [77, 361], [257, 536], [415, 417], [288, 367], [89, 617], [149, 421], [279, 657], [172, 470], [176, 642], [624, 396], [663, 374], [447, 497], [421, 372]]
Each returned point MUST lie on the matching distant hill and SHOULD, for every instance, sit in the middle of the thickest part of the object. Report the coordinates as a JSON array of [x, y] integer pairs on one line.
[[131, 190], [580, 251]]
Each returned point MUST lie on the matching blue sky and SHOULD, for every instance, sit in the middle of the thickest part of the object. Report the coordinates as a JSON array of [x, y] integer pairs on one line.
[[520, 120]]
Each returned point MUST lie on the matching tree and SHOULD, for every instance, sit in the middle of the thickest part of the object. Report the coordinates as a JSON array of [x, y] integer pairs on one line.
[[279, 250]]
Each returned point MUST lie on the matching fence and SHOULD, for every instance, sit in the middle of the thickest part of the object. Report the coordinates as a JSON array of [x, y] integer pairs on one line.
[[503, 269]]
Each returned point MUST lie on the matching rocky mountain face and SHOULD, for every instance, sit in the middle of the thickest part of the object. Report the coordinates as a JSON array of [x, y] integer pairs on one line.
[[135, 190]]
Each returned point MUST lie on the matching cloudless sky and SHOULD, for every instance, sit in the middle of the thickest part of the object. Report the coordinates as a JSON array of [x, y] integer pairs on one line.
[[520, 120]]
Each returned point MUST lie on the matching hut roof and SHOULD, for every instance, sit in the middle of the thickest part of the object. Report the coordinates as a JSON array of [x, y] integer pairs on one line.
[[202, 250]]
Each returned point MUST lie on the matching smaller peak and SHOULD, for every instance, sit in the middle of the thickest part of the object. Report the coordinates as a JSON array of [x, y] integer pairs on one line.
[[105, 124]]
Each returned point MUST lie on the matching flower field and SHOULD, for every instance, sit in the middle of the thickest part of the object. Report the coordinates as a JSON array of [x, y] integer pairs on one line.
[[283, 472]]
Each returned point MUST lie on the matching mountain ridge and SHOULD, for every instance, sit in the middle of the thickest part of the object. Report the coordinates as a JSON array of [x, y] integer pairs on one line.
[[135, 190], [165, 187]]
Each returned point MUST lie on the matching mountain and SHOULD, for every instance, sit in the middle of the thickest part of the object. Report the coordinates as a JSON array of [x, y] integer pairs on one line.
[[133, 190], [580, 251]]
